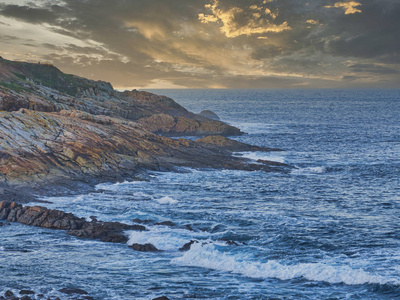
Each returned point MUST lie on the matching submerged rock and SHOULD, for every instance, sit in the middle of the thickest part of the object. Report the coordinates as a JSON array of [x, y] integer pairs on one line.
[[72, 291]]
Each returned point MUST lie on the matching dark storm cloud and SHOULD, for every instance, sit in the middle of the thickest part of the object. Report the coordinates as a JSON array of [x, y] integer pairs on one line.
[[227, 43], [370, 34], [371, 68], [33, 15]]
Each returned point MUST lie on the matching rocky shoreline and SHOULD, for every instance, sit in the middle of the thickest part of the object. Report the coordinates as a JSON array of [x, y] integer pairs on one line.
[[61, 133]]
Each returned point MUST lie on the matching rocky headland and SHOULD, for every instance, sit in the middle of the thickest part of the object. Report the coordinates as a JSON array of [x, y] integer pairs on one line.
[[59, 130]]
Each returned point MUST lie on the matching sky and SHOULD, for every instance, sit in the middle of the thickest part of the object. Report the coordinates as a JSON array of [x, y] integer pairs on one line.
[[210, 44]]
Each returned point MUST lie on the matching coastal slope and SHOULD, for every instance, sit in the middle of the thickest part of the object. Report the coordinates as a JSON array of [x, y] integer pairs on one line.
[[76, 131], [43, 87]]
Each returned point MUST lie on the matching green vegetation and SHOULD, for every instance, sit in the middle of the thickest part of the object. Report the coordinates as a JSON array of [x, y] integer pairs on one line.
[[15, 86]]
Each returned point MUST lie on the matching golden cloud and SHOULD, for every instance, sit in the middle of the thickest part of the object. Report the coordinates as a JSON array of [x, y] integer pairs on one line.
[[349, 7], [250, 23]]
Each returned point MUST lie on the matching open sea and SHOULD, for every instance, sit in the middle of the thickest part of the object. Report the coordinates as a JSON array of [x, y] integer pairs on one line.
[[329, 229]]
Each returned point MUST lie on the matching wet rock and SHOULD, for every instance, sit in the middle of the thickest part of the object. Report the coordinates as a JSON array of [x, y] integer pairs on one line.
[[72, 291], [56, 219], [105, 231], [25, 297], [187, 246], [209, 114], [26, 292], [188, 227], [166, 223], [229, 242], [144, 248], [8, 294], [140, 221], [161, 298]]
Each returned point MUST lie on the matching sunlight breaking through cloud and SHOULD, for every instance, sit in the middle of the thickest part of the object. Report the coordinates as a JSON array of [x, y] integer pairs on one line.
[[238, 21]]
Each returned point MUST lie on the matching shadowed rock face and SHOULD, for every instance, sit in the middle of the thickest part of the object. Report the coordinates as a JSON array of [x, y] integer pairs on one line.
[[221, 142], [45, 88]]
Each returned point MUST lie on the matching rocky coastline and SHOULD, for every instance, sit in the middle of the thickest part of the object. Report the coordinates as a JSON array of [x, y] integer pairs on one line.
[[63, 134], [60, 133]]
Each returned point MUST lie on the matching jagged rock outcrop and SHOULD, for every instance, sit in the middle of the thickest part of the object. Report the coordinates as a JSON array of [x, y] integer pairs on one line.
[[43, 87], [38, 149], [55, 219], [169, 125]]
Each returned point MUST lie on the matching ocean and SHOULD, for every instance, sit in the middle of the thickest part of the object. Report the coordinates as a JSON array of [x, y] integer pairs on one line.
[[329, 229]]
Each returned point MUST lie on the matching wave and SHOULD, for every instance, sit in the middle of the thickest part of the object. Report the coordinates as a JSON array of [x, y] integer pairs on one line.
[[261, 155], [167, 200], [207, 256], [308, 171], [164, 238], [115, 186]]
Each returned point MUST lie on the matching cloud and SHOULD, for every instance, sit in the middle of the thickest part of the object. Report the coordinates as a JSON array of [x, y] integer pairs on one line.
[[349, 7], [237, 21], [202, 44], [372, 68]]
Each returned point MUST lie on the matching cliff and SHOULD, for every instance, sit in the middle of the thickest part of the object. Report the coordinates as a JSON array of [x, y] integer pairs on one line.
[[43, 87]]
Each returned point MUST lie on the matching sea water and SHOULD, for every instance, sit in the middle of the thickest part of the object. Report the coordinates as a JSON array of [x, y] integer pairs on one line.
[[329, 229]]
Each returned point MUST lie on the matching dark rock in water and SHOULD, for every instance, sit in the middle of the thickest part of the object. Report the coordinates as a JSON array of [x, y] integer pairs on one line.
[[161, 298], [144, 248], [71, 291], [166, 223], [140, 221], [56, 219], [25, 297], [187, 246], [229, 242], [8, 294], [209, 114], [105, 231], [26, 292], [188, 227]]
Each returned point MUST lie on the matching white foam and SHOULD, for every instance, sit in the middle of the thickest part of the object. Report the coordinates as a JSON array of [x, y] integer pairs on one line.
[[207, 256], [115, 186], [167, 200], [261, 155], [308, 171], [163, 237]]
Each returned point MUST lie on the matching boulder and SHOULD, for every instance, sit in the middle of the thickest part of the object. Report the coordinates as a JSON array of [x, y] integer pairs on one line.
[[209, 114], [144, 248]]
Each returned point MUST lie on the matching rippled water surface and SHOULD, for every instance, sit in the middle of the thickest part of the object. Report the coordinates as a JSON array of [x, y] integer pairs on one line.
[[329, 229]]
